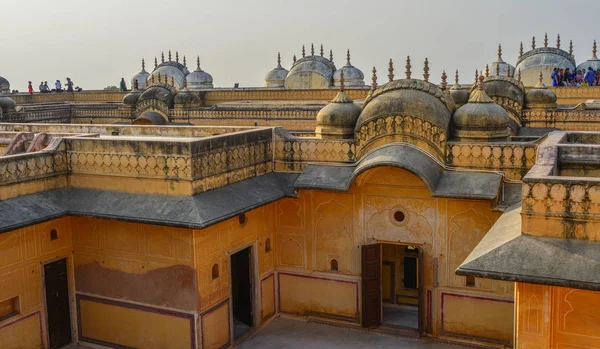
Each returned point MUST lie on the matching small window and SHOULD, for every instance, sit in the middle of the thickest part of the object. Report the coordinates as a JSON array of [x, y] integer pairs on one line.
[[53, 235], [268, 245], [215, 271], [9, 308], [243, 219], [334, 265], [399, 216], [470, 281]]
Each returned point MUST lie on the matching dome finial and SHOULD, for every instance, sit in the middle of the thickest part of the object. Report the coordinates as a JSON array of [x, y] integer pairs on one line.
[[541, 79], [519, 75], [184, 62], [331, 55], [374, 80], [177, 56], [348, 56], [294, 59], [198, 63], [162, 57], [303, 51], [476, 75], [480, 83], [558, 41], [571, 47], [312, 49], [594, 51], [521, 50], [426, 70], [487, 71], [533, 43], [391, 71], [408, 66], [278, 59], [143, 65], [169, 55], [499, 52], [456, 78], [444, 83], [322, 52], [545, 39], [497, 68], [155, 63], [342, 81]]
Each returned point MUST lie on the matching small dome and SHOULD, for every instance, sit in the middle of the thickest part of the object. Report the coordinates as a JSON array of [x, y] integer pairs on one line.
[[199, 79], [543, 59], [311, 72], [150, 118], [480, 119], [7, 104], [499, 66], [593, 62], [186, 97], [352, 75], [141, 77], [540, 97], [338, 118], [4, 85], [459, 93], [132, 97], [276, 77], [157, 92]]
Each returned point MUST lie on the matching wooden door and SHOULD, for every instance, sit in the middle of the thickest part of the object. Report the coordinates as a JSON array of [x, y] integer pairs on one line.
[[241, 286], [57, 303], [371, 285], [421, 288]]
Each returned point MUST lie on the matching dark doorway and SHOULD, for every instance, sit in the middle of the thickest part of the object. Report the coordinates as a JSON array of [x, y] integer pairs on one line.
[[241, 291], [371, 285], [57, 303]]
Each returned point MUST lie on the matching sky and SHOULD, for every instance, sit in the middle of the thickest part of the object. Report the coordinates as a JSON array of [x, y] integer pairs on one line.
[[98, 42]]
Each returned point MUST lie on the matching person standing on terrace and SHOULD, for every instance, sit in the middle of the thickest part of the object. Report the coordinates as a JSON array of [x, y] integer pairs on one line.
[[123, 85], [30, 88]]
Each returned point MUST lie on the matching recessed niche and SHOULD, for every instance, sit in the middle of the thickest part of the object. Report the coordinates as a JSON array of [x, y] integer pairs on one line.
[[268, 245], [334, 265], [215, 271], [53, 235], [242, 219]]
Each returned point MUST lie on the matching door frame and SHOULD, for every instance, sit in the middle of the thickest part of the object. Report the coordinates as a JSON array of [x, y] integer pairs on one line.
[[255, 292], [70, 293]]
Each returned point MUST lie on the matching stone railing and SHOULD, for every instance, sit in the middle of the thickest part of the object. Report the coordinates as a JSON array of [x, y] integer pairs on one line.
[[77, 97], [216, 96], [513, 158], [576, 95], [575, 119]]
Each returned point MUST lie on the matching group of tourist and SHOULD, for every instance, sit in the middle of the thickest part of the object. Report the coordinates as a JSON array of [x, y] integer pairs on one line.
[[581, 77], [58, 87]]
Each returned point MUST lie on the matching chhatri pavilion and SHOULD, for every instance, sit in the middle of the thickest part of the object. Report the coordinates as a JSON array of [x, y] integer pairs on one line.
[[184, 215]]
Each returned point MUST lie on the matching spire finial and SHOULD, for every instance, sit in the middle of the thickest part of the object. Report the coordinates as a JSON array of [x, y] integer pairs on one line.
[[487, 71], [374, 80], [545, 39], [198, 63], [497, 68], [444, 83], [571, 47], [521, 50], [322, 53], [594, 51], [558, 41], [541, 76], [169, 55], [312, 49], [519, 75], [177, 56], [533, 43], [342, 81], [162, 57], [331, 55], [184, 62], [303, 51], [456, 78], [391, 71], [408, 66], [426, 70], [499, 52], [159, 81], [476, 75], [294, 59], [278, 59], [155, 63], [480, 83], [143, 65], [348, 56]]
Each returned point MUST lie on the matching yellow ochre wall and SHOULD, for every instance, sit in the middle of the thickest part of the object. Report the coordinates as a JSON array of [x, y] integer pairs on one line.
[[320, 226], [22, 255], [550, 317]]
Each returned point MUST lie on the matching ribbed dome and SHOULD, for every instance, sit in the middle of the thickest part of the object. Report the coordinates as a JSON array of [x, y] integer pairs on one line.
[[150, 118], [338, 118], [543, 59], [499, 66], [540, 97], [4, 85], [310, 72], [132, 97], [186, 97], [593, 62], [158, 92], [406, 110], [7, 104], [480, 119], [276, 77], [141, 77], [352, 75], [199, 79]]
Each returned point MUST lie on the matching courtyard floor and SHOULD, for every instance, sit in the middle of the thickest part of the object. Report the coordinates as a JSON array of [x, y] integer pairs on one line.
[[284, 333]]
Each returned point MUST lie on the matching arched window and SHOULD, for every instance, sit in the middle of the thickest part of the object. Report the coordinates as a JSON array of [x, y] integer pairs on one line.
[[268, 245], [470, 281], [243, 219], [215, 271], [334, 265], [53, 234]]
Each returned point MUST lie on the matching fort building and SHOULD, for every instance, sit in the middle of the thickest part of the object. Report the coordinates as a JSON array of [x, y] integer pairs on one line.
[[182, 215]]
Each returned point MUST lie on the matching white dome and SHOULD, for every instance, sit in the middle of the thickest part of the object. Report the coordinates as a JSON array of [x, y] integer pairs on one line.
[[276, 77], [141, 77], [352, 75], [199, 79], [504, 69], [169, 71]]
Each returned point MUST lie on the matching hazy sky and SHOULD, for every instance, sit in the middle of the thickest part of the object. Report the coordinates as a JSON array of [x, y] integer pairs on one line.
[[98, 42]]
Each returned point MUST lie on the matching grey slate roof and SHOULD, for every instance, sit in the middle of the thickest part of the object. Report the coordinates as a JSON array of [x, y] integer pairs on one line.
[[196, 211], [506, 254], [442, 182]]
